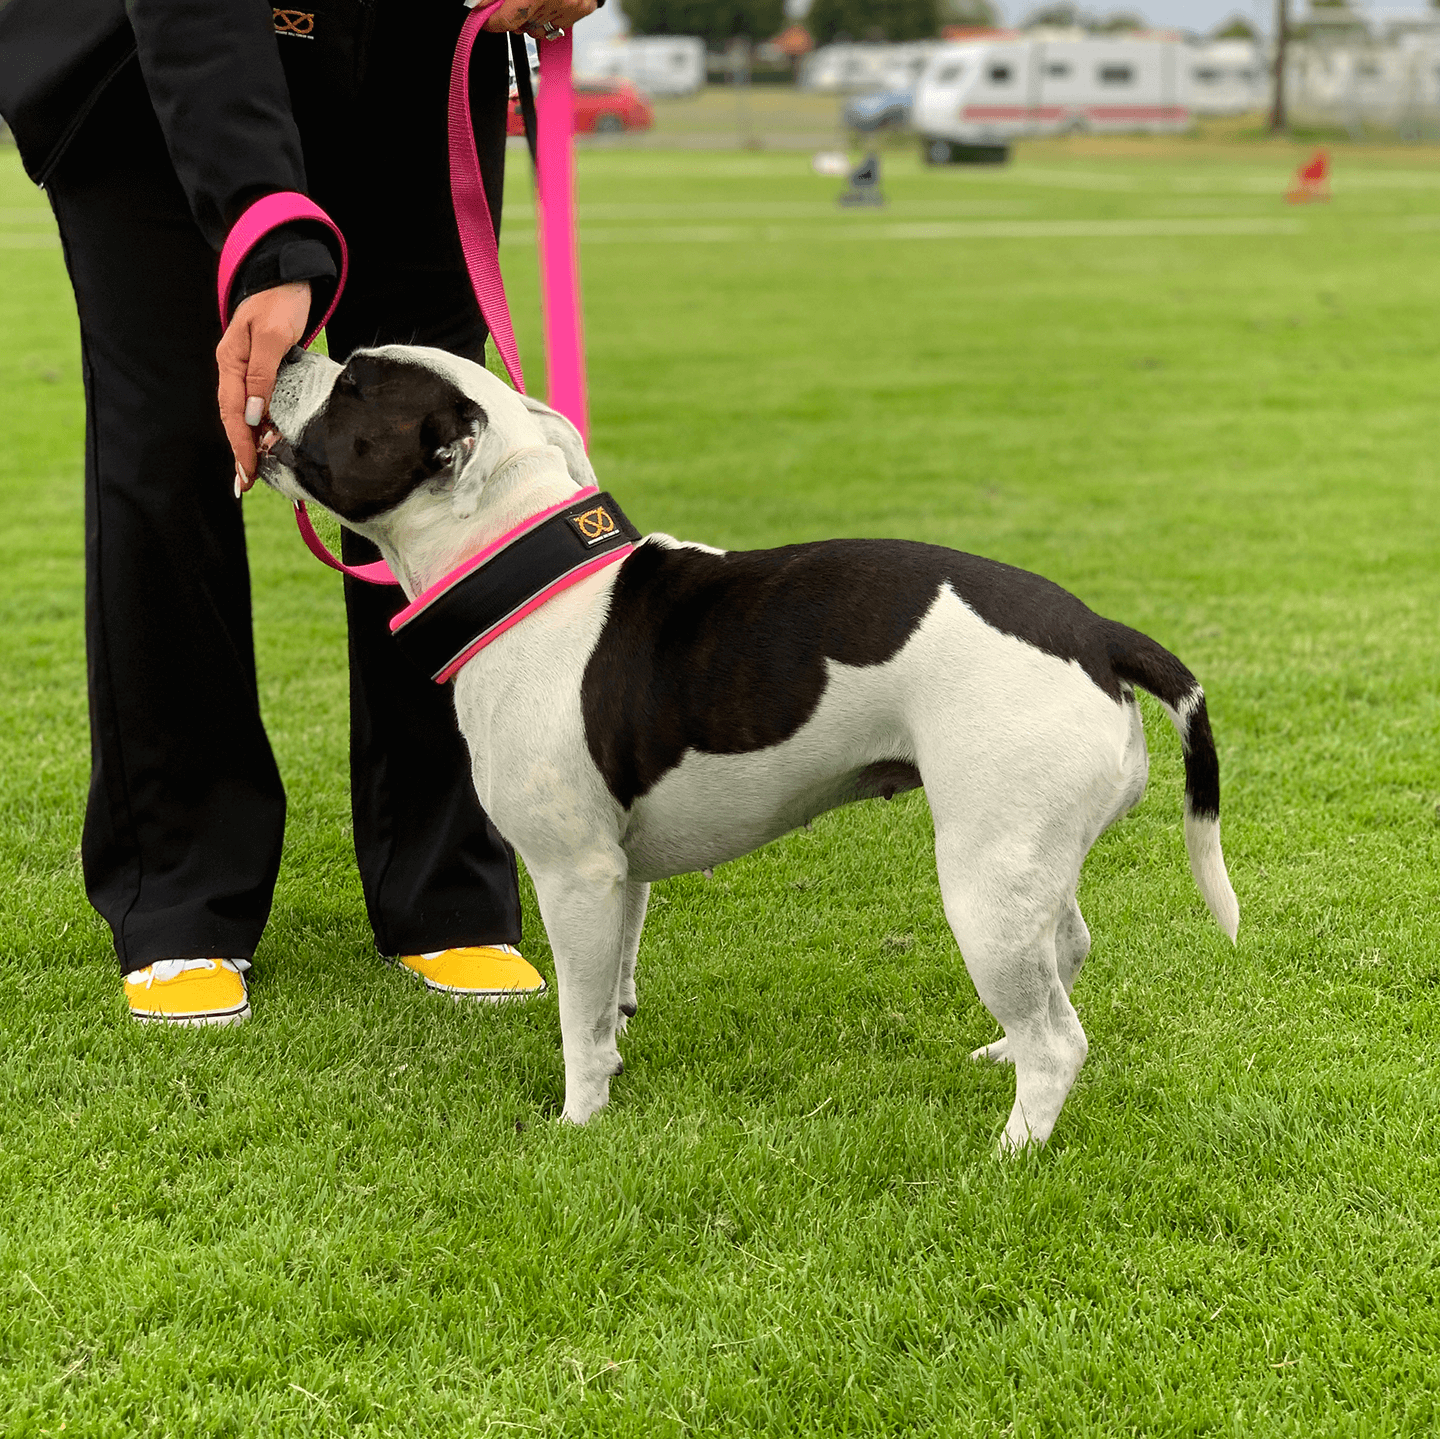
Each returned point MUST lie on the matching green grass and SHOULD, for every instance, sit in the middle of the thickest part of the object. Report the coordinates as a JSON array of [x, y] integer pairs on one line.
[[356, 1215]]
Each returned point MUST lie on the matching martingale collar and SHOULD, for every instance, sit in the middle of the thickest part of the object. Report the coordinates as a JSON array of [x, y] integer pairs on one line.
[[459, 615]]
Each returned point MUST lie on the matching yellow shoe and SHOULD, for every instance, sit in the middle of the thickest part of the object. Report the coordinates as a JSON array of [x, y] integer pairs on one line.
[[478, 971], [189, 991]]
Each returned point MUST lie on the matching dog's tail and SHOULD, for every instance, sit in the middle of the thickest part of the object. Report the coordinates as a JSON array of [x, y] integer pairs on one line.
[[1138, 660]]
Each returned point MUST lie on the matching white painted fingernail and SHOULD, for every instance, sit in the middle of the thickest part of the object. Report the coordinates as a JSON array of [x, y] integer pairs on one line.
[[254, 410], [239, 488]]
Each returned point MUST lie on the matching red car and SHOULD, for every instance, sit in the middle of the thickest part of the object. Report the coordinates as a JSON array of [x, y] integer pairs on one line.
[[601, 106]]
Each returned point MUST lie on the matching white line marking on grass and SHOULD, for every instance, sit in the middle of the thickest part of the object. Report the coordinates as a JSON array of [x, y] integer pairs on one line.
[[930, 230], [1062, 179], [788, 209]]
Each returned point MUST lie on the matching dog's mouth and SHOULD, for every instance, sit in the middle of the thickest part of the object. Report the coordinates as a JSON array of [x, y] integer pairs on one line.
[[270, 444]]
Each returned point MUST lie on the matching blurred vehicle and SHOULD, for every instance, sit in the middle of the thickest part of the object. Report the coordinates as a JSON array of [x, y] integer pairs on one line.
[[658, 64], [973, 99], [882, 110], [602, 107], [1227, 77], [861, 66]]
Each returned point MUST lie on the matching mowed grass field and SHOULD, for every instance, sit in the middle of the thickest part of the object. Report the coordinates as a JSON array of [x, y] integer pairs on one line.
[[1132, 369]]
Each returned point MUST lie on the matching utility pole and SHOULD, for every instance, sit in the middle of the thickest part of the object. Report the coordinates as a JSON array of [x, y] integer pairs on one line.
[[1282, 37]]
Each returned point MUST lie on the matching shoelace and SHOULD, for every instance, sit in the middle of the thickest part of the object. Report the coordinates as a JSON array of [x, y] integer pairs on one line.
[[164, 970]]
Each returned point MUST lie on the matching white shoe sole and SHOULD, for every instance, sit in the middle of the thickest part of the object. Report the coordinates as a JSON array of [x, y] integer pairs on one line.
[[485, 996], [191, 1021]]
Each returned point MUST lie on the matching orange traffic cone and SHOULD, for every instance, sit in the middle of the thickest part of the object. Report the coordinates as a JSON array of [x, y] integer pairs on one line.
[[1311, 182]]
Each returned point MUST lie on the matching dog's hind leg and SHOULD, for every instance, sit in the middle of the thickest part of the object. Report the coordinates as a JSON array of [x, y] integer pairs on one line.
[[637, 896], [583, 902], [1005, 917], [1072, 944]]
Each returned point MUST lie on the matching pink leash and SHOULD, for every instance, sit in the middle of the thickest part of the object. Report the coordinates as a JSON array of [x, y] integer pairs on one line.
[[559, 266], [555, 185]]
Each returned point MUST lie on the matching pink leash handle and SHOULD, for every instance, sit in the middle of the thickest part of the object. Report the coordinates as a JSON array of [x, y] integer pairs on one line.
[[559, 265], [555, 184], [472, 210]]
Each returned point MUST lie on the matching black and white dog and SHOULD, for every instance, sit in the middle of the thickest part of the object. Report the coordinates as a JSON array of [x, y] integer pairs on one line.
[[686, 705]]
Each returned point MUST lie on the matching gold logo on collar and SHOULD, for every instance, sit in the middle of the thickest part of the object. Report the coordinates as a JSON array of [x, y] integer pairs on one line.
[[594, 525]]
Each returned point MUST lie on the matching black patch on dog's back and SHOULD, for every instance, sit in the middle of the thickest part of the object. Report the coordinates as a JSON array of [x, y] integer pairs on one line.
[[386, 428], [726, 654]]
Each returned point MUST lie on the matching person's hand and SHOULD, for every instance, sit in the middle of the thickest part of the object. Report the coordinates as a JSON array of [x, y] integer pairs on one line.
[[260, 333], [532, 16]]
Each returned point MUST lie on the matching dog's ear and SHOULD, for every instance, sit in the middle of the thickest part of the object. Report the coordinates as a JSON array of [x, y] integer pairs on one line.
[[558, 431], [473, 466]]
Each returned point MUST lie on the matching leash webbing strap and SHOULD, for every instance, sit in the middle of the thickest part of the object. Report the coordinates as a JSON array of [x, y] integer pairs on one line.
[[555, 204], [456, 618], [554, 156], [472, 210], [377, 572], [553, 152]]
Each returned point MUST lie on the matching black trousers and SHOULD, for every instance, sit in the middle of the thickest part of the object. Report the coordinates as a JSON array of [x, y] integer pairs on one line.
[[186, 812]]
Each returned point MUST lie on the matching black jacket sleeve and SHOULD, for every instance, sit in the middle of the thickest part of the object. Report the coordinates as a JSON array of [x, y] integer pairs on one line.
[[297, 251], [219, 92]]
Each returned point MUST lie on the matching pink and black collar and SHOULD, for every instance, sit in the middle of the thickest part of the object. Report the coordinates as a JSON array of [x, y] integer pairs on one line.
[[479, 600]]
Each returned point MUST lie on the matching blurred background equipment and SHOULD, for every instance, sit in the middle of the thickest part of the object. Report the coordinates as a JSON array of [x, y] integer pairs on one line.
[[864, 183], [1311, 182], [884, 110]]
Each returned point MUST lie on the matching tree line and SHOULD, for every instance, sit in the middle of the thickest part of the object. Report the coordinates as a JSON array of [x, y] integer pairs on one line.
[[720, 20]]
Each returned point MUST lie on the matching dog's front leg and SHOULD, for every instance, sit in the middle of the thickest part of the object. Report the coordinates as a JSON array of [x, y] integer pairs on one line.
[[583, 906], [637, 896]]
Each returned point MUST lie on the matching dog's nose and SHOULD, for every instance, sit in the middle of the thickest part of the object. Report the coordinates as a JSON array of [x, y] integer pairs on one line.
[[293, 354]]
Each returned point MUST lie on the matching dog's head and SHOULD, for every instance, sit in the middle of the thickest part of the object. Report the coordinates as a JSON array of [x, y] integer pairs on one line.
[[415, 448]]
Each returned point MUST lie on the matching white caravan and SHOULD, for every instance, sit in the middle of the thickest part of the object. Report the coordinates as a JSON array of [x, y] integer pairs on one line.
[[658, 64], [973, 98], [1227, 77], [851, 67]]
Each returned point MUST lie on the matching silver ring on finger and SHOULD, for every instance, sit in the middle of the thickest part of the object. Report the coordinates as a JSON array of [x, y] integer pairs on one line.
[[551, 33]]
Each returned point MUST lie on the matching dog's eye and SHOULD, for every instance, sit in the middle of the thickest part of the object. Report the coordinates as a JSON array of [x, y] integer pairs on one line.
[[362, 447], [442, 457]]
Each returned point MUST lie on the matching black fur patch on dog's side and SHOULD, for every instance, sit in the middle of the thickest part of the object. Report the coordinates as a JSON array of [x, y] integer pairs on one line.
[[725, 654], [386, 428]]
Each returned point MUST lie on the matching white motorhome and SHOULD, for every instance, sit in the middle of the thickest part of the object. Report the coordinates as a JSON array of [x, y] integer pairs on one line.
[[973, 98], [847, 67], [658, 64], [1226, 77]]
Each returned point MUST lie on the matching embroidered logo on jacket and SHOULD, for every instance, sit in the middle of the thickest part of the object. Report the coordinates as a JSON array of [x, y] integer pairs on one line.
[[594, 525], [300, 23]]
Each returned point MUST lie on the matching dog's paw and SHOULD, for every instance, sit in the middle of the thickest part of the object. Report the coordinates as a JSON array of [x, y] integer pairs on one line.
[[586, 1097], [580, 1113], [997, 1053]]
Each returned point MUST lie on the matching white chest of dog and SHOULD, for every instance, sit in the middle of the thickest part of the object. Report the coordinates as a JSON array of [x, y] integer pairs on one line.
[[687, 705]]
